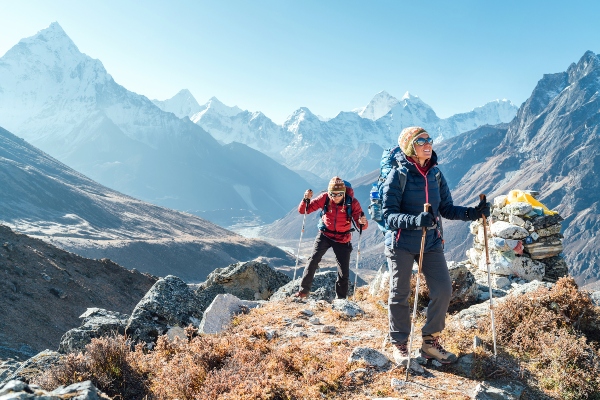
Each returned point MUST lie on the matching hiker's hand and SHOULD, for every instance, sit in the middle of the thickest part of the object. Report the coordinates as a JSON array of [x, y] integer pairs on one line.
[[308, 194], [483, 208], [362, 220], [425, 219], [475, 213]]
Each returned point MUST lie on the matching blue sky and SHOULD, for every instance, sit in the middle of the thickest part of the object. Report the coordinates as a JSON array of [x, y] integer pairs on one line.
[[275, 56]]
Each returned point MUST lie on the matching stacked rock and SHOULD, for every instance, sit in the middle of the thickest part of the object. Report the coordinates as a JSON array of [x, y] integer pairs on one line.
[[523, 241]]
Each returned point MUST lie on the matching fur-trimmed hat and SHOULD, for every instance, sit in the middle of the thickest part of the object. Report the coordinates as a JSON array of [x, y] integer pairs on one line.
[[336, 184], [405, 140]]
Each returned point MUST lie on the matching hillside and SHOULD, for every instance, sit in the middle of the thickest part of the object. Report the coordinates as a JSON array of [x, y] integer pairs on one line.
[[44, 198], [44, 290]]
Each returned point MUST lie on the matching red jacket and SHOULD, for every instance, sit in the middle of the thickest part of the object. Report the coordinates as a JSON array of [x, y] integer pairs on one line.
[[336, 217]]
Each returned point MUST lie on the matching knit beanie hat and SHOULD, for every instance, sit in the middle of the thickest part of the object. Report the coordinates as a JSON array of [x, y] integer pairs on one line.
[[336, 184], [405, 140]]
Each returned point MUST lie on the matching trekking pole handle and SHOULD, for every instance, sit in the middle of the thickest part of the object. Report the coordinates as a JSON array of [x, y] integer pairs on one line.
[[426, 207], [482, 197], [362, 214]]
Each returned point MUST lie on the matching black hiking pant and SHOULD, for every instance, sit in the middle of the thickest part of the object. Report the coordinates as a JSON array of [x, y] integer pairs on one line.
[[342, 256]]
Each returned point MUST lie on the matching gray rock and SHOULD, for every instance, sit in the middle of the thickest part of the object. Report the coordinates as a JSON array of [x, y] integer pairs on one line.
[[596, 297], [518, 208], [170, 302], [381, 281], [545, 247], [220, 312], [97, 322], [348, 308], [556, 267], [508, 231], [544, 221], [464, 287], [251, 280], [498, 391], [78, 391], [370, 356], [549, 231], [34, 366], [323, 287], [502, 282], [327, 329]]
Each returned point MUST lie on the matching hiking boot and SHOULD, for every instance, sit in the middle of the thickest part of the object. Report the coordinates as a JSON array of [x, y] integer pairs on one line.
[[301, 295], [400, 353], [432, 348]]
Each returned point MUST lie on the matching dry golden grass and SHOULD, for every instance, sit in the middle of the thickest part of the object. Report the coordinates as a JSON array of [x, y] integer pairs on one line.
[[538, 338]]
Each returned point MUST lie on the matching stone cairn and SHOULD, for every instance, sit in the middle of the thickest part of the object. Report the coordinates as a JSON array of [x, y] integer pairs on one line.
[[523, 241]]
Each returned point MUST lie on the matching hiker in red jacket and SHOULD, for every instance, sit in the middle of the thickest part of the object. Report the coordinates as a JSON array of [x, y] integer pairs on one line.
[[339, 209]]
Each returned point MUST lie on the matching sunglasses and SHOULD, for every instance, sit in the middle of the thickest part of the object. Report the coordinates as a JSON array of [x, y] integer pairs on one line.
[[422, 141], [336, 194]]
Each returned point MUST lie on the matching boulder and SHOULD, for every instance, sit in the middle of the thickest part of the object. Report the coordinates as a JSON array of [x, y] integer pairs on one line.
[[528, 268], [323, 287], [347, 308], [549, 231], [77, 391], [498, 390], [220, 312], [518, 208], [170, 302], [556, 267], [464, 287], [251, 280], [508, 231], [544, 221], [544, 248], [370, 357], [97, 322], [34, 366]]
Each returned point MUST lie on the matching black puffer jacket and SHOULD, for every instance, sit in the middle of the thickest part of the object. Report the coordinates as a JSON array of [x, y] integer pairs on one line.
[[400, 209]]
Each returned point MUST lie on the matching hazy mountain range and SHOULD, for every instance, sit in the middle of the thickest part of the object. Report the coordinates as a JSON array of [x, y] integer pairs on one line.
[[44, 198], [66, 104], [306, 142]]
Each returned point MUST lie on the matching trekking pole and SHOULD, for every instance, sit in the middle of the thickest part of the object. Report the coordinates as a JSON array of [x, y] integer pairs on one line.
[[414, 314], [487, 263], [307, 201], [357, 257]]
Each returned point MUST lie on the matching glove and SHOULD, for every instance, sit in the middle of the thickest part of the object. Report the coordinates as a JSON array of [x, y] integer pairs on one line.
[[425, 219], [483, 208]]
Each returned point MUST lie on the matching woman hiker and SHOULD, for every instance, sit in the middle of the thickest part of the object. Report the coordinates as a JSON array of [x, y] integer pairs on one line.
[[335, 229], [405, 218]]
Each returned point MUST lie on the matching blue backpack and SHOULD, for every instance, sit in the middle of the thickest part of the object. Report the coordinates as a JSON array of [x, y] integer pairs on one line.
[[387, 164]]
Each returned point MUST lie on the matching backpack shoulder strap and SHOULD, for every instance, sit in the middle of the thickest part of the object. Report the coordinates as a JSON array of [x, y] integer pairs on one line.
[[402, 171]]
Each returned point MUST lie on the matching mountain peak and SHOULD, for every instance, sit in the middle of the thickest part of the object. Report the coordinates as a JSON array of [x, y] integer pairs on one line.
[[183, 104], [587, 63], [54, 35], [379, 106]]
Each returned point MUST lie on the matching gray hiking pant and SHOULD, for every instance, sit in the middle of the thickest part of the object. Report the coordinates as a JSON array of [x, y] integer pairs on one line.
[[342, 256], [435, 270]]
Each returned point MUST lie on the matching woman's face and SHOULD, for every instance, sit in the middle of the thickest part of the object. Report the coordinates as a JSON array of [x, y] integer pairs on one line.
[[424, 151]]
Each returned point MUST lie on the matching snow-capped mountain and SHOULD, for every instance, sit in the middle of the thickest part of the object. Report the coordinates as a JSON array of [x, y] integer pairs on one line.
[[46, 199], [380, 105], [356, 139], [183, 104], [65, 103]]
